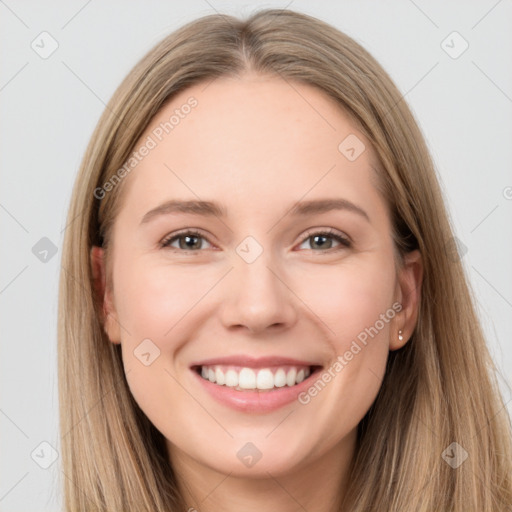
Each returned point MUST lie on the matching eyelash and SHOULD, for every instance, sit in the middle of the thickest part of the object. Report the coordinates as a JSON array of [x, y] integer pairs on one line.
[[329, 233]]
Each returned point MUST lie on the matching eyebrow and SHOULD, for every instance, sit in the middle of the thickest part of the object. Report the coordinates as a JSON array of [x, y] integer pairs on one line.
[[211, 208]]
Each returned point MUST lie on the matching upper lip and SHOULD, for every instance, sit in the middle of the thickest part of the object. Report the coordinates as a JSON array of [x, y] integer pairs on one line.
[[254, 362]]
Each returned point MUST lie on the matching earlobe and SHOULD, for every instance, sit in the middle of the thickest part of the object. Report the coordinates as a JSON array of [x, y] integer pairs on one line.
[[103, 294], [410, 278]]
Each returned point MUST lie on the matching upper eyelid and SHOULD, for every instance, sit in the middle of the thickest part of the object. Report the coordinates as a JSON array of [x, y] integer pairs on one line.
[[172, 236], [328, 231]]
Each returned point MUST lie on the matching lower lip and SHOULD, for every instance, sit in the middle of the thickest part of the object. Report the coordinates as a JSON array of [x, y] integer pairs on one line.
[[255, 401]]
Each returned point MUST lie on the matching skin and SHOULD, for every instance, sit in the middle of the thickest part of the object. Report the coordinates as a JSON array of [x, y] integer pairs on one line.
[[257, 146]]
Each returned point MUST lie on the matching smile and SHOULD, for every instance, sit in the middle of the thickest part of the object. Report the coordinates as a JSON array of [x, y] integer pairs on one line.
[[260, 387], [263, 379]]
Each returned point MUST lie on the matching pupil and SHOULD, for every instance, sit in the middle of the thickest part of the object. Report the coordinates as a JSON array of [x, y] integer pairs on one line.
[[316, 237], [187, 242]]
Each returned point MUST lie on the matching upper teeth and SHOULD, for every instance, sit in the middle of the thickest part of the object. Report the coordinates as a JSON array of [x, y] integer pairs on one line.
[[249, 378]]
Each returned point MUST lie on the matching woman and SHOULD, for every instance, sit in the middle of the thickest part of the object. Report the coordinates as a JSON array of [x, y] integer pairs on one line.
[[260, 300]]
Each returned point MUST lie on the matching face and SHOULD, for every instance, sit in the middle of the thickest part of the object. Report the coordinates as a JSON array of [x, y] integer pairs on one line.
[[287, 284]]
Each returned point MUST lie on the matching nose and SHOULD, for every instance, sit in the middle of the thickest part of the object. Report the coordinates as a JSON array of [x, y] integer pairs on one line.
[[257, 297]]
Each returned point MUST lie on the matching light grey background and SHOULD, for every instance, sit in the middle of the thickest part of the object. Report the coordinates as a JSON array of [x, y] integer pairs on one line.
[[49, 107]]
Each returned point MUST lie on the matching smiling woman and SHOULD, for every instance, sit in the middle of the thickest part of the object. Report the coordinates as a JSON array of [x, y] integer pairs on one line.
[[261, 308]]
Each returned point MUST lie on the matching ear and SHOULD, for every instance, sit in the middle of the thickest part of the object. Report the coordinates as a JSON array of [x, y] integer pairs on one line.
[[408, 293], [103, 295]]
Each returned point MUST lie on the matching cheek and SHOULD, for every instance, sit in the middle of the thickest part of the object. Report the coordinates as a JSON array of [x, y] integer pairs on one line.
[[357, 308], [351, 298], [155, 304], [354, 302], [152, 300]]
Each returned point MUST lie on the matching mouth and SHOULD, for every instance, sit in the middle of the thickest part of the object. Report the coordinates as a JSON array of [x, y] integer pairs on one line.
[[261, 380]]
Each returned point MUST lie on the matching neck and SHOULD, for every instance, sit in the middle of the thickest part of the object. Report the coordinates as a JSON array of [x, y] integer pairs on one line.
[[318, 484]]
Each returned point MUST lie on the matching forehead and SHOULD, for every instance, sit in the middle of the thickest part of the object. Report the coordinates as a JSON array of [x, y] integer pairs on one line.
[[254, 140]]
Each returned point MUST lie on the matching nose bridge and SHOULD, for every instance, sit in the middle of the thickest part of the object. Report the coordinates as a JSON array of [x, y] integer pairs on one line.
[[257, 297]]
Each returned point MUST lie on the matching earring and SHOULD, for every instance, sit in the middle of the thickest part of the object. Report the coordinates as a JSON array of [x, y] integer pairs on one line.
[[400, 337]]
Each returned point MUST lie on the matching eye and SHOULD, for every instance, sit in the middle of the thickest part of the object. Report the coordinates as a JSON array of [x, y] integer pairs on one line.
[[187, 241], [320, 239], [192, 240]]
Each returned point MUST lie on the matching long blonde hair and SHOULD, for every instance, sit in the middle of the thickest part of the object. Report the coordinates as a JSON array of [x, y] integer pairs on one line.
[[440, 388]]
